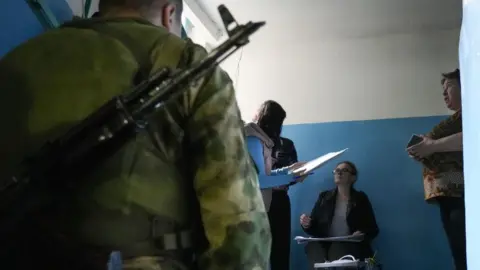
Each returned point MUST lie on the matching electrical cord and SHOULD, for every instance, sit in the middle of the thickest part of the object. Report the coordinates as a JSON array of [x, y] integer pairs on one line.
[[237, 73], [346, 258], [345, 261]]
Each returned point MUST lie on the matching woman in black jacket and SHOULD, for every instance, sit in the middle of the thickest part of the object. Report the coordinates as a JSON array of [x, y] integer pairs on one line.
[[340, 212], [284, 154]]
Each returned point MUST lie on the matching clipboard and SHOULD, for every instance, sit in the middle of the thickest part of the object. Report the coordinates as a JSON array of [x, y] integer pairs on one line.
[[318, 162]]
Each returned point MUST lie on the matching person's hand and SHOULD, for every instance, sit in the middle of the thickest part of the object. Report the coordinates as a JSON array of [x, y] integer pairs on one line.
[[305, 221], [300, 176], [422, 149], [296, 165], [357, 233]]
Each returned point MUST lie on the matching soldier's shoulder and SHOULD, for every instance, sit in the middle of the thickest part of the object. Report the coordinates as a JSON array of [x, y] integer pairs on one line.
[[190, 51]]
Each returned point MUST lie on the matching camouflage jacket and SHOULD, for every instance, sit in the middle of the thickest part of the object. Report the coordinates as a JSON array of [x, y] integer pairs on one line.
[[192, 163]]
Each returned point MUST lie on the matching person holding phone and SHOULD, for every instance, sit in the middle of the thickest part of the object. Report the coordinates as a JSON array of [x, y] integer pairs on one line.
[[441, 154], [342, 211]]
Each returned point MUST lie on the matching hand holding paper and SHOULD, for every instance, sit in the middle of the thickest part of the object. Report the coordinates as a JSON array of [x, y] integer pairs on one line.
[[299, 170], [318, 162], [296, 166], [299, 175]]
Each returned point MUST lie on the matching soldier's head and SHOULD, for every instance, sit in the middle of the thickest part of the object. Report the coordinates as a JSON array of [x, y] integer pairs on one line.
[[166, 13]]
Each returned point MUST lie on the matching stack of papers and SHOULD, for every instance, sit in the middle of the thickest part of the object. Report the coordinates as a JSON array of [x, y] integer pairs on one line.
[[346, 261], [336, 264], [349, 238], [316, 163]]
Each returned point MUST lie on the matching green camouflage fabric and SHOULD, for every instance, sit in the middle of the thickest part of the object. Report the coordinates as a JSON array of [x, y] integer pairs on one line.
[[192, 163]]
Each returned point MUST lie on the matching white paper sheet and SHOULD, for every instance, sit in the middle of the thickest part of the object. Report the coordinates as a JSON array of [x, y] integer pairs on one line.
[[318, 162], [348, 238], [337, 264]]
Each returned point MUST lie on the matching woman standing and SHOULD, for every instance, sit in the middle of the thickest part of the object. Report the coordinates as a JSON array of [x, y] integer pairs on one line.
[[441, 153], [265, 131], [278, 159], [284, 154]]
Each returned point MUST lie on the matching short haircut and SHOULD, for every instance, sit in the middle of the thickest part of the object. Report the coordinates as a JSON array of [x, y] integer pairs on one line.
[[105, 5], [454, 75]]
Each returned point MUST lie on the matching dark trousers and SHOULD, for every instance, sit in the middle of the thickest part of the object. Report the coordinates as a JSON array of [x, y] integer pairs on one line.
[[279, 216], [320, 252], [452, 211]]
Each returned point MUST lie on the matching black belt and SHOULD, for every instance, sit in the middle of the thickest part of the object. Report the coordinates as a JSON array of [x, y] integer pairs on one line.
[[170, 242]]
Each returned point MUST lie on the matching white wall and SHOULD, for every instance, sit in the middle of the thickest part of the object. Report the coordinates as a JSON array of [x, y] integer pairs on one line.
[[341, 60], [350, 79], [345, 60]]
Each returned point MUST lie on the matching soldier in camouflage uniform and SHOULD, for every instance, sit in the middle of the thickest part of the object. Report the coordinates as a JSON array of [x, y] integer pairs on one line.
[[182, 195]]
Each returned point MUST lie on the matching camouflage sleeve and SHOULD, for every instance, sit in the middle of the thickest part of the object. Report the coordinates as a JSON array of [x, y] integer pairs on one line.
[[231, 206]]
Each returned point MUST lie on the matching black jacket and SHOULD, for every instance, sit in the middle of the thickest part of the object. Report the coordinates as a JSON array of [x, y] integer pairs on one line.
[[284, 153], [360, 216]]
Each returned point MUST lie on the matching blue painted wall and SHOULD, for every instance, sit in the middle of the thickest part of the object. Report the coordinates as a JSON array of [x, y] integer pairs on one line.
[[19, 23], [411, 234]]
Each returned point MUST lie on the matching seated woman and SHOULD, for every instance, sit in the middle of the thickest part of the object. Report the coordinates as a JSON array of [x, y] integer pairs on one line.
[[342, 211]]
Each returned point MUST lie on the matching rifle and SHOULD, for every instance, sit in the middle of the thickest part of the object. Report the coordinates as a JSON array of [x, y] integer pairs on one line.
[[105, 131]]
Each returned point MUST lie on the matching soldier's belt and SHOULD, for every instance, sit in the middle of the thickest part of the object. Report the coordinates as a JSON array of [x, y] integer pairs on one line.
[[174, 241], [159, 244]]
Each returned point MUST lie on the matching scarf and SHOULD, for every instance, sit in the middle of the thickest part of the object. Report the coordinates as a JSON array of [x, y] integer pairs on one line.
[[252, 129]]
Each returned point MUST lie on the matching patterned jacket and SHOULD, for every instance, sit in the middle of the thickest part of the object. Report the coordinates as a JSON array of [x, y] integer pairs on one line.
[[192, 167]]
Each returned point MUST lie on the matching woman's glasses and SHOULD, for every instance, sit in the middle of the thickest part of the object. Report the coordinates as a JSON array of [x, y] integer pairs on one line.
[[341, 171]]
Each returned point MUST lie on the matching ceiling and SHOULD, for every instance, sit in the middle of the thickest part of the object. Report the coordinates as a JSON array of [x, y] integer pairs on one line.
[[327, 19], [335, 19]]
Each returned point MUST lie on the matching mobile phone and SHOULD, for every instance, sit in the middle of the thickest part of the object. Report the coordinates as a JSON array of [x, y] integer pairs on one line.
[[415, 139]]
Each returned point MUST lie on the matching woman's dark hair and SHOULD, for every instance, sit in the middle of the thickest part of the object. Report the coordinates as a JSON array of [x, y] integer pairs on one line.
[[353, 168], [454, 75], [270, 119]]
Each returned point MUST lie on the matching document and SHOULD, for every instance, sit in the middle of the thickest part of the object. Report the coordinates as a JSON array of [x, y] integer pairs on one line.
[[318, 162], [270, 181], [339, 264], [349, 238], [346, 261]]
